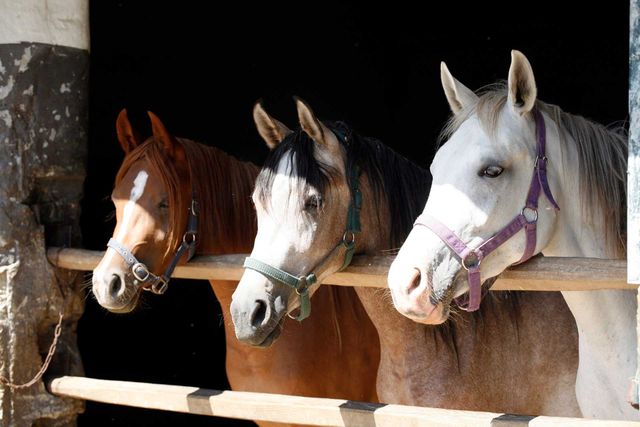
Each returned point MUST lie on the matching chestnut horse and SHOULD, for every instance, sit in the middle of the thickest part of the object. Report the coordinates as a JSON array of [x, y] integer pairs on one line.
[[324, 186], [153, 197]]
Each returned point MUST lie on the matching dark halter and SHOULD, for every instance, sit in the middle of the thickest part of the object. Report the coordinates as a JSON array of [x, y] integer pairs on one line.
[[159, 284]]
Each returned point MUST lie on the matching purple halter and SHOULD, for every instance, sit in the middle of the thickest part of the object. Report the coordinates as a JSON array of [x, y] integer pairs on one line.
[[472, 258]]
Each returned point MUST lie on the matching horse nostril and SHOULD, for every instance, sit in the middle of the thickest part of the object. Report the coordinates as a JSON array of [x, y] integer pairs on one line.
[[116, 287], [259, 313], [415, 283]]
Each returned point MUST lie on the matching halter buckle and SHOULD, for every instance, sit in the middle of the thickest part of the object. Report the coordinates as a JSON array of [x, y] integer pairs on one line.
[[138, 268], [160, 287], [538, 158], [534, 214], [475, 260]]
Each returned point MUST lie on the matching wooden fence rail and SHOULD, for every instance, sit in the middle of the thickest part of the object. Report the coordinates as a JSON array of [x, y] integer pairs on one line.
[[538, 274], [293, 409]]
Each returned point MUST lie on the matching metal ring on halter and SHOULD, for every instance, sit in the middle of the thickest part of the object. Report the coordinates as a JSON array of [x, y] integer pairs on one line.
[[528, 209], [302, 286], [350, 241], [189, 237], [478, 261], [144, 268]]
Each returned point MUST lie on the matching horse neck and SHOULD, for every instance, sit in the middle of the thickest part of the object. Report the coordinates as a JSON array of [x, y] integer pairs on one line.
[[375, 221], [227, 219], [575, 234], [404, 344], [605, 319], [389, 209]]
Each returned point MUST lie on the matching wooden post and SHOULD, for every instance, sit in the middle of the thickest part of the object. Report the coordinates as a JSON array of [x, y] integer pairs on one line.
[[633, 184], [44, 64]]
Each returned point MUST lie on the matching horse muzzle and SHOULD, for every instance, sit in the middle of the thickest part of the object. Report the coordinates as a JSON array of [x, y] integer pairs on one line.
[[412, 295], [257, 316], [113, 293]]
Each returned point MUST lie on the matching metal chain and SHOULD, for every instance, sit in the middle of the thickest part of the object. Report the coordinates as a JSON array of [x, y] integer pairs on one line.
[[45, 364]]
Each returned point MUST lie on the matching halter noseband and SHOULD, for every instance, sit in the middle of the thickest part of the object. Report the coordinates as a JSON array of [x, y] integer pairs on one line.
[[527, 220], [348, 242], [159, 284]]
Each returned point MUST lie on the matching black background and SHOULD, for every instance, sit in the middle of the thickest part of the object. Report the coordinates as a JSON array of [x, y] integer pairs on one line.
[[200, 67]]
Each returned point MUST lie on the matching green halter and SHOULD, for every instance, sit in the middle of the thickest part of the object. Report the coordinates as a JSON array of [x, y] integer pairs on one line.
[[348, 242]]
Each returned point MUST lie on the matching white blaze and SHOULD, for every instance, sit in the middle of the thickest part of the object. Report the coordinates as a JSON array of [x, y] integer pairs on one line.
[[136, 192]]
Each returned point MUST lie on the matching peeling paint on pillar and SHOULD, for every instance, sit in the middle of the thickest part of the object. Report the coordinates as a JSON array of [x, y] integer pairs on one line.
[[42, 158]]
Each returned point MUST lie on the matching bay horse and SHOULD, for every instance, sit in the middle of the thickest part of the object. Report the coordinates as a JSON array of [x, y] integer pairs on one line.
[[153, 198], [573, 206], [314, 184]]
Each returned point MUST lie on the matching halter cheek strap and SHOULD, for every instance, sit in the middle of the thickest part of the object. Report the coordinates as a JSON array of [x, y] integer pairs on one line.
[[347, 244], [158, 284], [527, 219]]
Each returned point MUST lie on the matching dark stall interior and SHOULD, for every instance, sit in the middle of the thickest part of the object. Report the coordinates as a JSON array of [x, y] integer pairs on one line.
[[201, 66]]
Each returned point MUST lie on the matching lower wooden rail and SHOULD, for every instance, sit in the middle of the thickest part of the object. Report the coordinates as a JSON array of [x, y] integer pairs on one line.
[[537, 274], [292, 409]]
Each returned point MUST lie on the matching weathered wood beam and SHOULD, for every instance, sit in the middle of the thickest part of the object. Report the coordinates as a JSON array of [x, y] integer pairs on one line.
[[292, 409], [538, 274]]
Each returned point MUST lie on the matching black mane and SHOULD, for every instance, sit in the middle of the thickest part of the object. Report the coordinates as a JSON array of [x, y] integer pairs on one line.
[[395, 180]]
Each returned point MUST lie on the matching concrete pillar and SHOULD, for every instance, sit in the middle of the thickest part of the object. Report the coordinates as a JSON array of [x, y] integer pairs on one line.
[[44, 64]]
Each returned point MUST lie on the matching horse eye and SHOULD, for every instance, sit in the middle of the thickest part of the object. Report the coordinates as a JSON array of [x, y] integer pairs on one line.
[[163, 204], [492, 171], [313, 203]]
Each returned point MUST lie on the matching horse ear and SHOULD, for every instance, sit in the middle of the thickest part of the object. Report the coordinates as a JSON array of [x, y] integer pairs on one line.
[[309, 123], [127, 137], [161, 135], [458, 95], [270, 129], [522, 84]]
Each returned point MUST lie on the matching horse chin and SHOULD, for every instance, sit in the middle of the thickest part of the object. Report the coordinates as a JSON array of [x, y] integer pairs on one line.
[[442, 304], [123, 307], [272, 336], [436, 316]]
